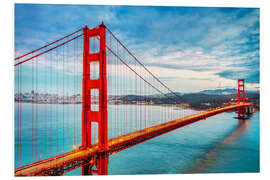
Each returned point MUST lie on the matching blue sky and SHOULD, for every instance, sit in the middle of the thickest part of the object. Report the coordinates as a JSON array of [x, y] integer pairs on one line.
[[190, 48]]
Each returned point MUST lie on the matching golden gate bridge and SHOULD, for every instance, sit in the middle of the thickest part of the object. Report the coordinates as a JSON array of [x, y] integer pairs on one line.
[[122, 104]]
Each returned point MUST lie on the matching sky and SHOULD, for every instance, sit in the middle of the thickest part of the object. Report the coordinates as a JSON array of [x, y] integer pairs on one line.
[[189, 48]]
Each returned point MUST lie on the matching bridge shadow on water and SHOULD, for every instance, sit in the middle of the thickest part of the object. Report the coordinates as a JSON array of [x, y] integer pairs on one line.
[[210, 158]]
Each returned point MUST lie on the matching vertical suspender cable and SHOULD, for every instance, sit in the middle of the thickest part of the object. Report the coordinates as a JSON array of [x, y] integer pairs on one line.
[[45, 101], [57, 101], [74, 92], [136, 93], [32, 94], [18, 117], [77, 96], [117, 93], [51, 104], [21, 117], [68, 100], [63, 101], [37, 101]]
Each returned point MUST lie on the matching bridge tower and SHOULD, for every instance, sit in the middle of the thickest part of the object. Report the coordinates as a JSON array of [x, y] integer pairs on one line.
[[90, 86], [241, 98]]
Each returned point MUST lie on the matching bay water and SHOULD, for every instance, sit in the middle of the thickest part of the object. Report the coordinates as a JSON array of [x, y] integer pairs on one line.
[[219, 144]]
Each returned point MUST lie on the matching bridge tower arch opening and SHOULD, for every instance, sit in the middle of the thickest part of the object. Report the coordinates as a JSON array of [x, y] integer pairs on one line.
[[91, 115]]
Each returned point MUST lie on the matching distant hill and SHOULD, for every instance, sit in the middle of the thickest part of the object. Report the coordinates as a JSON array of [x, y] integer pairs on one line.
[[199, 100], [219, 91], [224, 91], [173, 94]]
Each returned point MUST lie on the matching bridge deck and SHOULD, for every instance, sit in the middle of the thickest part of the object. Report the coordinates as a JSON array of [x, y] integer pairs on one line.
[[79, 157]]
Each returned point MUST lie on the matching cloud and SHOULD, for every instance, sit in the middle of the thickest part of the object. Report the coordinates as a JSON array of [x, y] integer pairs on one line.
[[250, 77], [210, 43]]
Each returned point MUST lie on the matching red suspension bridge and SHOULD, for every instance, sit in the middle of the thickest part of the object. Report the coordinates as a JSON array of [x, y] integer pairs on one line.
[[122, 104]]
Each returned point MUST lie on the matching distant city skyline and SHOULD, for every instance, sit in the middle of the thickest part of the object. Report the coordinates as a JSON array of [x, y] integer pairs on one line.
[[189, 48]]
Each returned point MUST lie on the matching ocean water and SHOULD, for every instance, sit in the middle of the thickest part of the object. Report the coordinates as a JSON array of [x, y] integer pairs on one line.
[[220, 144]]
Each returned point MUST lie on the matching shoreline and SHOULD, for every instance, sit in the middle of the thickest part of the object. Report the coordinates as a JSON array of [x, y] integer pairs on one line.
[[164, 105]]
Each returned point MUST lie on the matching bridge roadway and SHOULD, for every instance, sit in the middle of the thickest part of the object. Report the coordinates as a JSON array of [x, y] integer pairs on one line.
[[74, 159]]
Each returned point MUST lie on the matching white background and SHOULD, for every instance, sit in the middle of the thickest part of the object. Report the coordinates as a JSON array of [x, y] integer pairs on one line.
[[6, 82]]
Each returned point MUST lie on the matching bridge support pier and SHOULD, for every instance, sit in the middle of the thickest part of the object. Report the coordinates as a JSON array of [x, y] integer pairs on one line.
[[85, 170], [242, 113], [103, 164], [91, 115], [97, 165]]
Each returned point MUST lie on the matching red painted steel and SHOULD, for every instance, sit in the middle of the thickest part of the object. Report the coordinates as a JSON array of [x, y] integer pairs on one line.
[[241, 98], [88, 115], [241, 91]]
